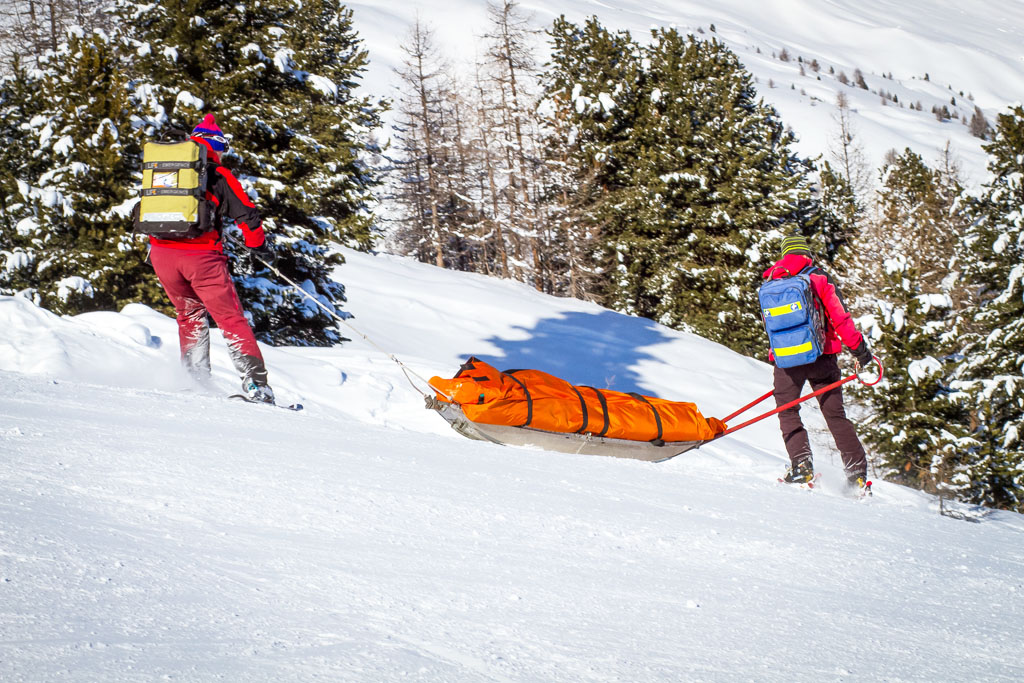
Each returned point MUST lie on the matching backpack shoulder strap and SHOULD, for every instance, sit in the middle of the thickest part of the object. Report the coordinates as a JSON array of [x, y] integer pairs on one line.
[[810, 270], [212, 175], [771, 272]]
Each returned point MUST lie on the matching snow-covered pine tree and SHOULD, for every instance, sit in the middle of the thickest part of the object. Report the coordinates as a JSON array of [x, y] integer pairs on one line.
[[19, 164], [76, 254], [991, 374], [281, 77], [333, 132], [979, 125], [840, 213], [714, 186], [587, 142], [688, 177], [912, 424]]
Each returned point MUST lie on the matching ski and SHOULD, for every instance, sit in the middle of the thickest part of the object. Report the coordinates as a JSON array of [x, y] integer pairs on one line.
[[805, 484], [291, 406]]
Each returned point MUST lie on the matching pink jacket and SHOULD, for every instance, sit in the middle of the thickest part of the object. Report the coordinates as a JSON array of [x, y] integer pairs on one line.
[[839, 327]]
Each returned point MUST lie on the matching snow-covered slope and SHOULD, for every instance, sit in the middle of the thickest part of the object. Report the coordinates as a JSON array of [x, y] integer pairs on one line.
[[973, 48], [149, 529]]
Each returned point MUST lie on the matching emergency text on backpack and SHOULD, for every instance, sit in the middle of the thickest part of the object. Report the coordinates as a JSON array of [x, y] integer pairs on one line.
[[173, 202]]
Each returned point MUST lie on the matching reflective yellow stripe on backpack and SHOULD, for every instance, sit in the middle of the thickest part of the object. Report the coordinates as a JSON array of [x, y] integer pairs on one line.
[[782, 310], [793, 350]]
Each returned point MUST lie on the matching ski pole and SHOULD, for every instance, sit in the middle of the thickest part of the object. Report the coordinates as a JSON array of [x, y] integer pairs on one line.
[[405, 369]]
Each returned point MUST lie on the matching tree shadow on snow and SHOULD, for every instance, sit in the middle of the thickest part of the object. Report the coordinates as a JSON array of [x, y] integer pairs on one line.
[[594, 349]]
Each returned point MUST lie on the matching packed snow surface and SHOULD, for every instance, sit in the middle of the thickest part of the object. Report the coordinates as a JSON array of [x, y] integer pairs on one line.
[[152, 529]]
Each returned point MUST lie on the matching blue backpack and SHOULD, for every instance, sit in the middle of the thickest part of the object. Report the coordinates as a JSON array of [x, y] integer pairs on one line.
[[792, 317]]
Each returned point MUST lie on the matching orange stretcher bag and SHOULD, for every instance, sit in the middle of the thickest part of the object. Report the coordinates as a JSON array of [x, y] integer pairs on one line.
[[537, 400]]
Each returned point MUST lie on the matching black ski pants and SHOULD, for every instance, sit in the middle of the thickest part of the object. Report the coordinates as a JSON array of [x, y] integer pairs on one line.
[[789, 383]]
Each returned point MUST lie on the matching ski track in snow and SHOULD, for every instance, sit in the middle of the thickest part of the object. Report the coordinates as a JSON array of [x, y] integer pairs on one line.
[[151, 529]]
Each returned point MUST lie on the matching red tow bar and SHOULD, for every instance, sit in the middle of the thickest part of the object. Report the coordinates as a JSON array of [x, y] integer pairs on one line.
[[825, 389]]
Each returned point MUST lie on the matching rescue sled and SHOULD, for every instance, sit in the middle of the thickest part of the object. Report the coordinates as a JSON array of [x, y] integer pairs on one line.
[[533, 408]]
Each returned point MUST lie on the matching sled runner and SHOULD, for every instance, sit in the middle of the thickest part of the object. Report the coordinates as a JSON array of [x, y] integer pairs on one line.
[[533, 408], [562, 442]]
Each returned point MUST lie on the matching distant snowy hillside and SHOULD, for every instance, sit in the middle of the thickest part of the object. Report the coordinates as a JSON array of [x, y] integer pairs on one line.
[[152, 530], [971, 47]]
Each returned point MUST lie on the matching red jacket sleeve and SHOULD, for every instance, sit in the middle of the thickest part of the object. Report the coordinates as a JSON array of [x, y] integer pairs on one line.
[[237, 206], [839, 318]]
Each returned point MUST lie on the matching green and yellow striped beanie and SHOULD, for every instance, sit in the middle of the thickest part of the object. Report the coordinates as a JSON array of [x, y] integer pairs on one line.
[[796, 244]]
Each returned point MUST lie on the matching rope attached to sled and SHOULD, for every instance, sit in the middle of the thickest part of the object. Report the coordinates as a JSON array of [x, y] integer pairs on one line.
[[405, 369]]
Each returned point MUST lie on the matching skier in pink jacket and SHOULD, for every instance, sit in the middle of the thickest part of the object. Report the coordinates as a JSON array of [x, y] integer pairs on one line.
[[789, 382], [194, 273]]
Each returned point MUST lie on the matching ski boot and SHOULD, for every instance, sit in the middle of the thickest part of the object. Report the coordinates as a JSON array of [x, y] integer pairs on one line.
[[858, 485], [257, 393], [800, 473]]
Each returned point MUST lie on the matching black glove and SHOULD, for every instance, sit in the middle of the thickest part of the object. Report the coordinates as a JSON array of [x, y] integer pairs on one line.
[[262, 254], [863, 354]]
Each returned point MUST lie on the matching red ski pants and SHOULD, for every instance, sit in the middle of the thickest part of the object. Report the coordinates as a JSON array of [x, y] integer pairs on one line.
[[789, 383], [198, 283]]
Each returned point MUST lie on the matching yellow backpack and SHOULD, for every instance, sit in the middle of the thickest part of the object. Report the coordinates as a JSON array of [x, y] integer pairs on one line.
[[173, 203]]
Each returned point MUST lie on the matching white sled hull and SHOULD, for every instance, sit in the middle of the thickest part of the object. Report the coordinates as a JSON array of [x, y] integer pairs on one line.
[[582, 444]]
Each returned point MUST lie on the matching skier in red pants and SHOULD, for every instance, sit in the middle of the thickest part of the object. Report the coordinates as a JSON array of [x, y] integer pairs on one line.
[[789, 382], [194, 273]]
